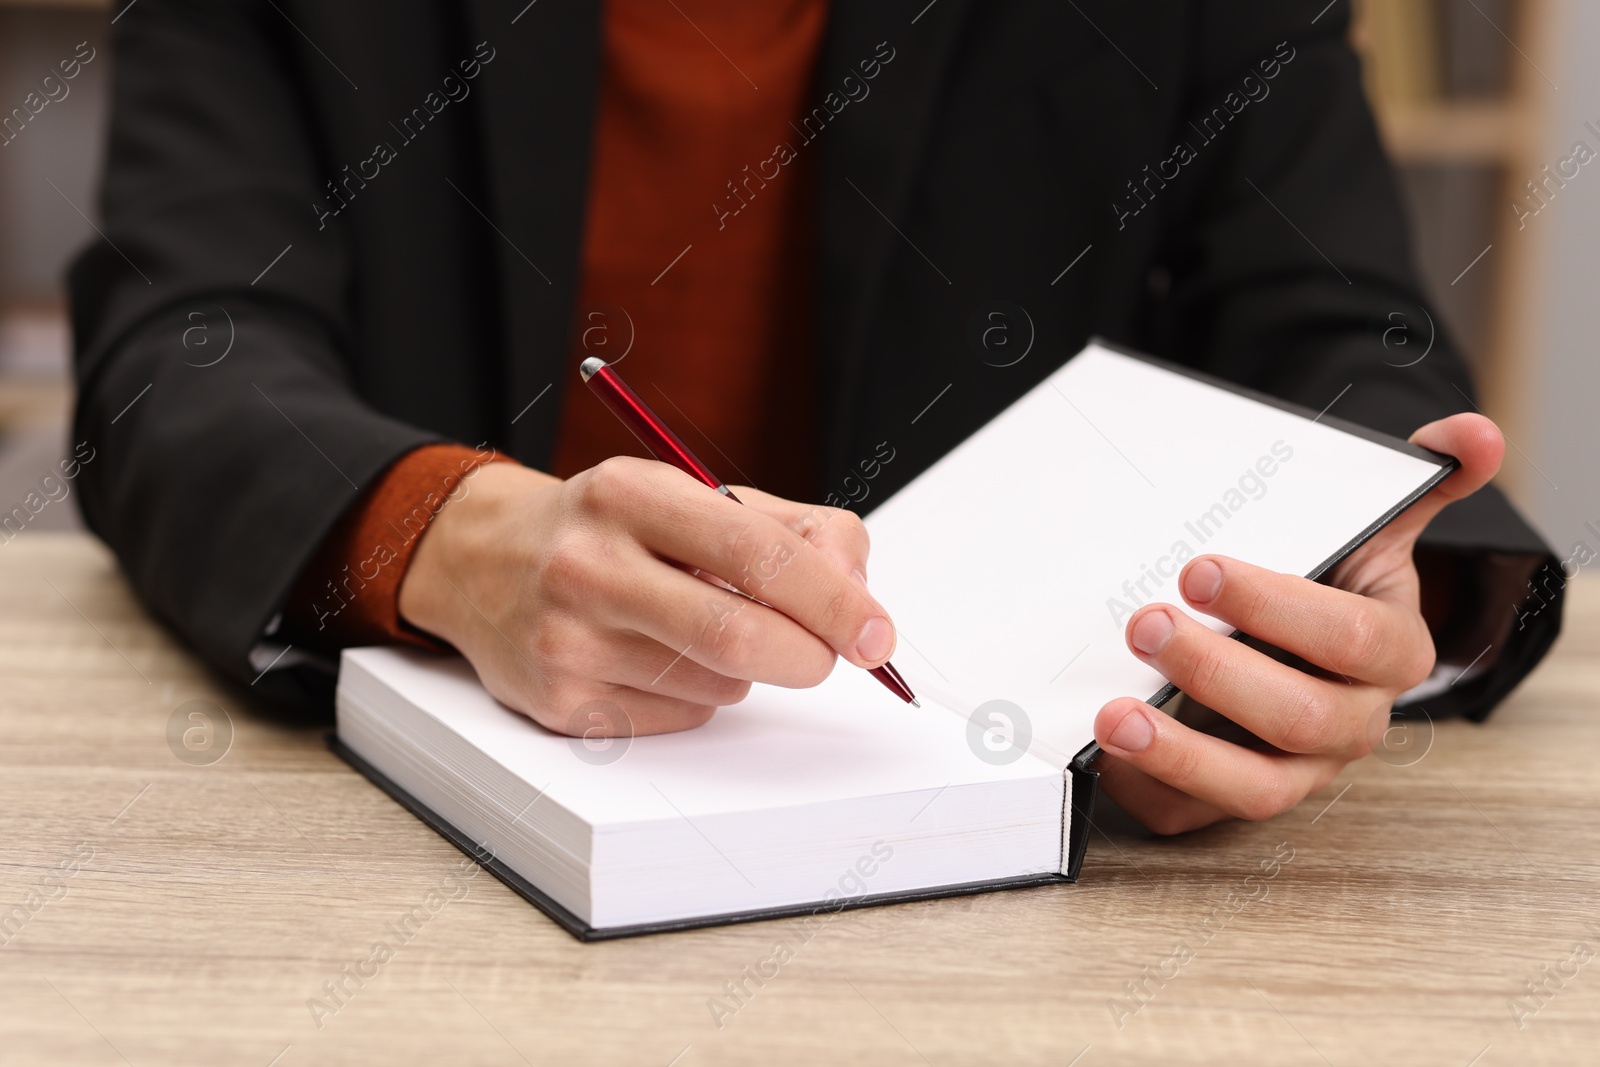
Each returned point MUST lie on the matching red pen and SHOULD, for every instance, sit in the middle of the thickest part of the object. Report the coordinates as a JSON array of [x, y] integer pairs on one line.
[[668, 447]]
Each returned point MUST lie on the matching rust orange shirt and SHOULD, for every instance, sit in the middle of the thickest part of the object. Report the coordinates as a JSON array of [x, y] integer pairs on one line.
[[697, 262]]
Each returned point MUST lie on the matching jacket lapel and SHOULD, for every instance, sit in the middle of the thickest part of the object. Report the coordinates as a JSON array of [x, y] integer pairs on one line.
[[539, 101], [868, 157], [539, 105]]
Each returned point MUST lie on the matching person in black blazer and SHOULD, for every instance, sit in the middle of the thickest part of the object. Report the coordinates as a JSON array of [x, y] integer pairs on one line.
[[1199, 179]]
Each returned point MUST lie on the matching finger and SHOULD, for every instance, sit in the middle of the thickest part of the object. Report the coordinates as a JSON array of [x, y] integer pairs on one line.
[[728, 634], [678, 518], [1239, 781], [837, 533], [1479, 446], [580, 707], [1158, 807], [1283, 706], [640, 662], [1356, 637], [627, 712]]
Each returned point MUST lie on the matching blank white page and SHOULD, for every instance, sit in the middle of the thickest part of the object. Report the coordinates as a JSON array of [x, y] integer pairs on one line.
[[1004, 563], [780, 748]]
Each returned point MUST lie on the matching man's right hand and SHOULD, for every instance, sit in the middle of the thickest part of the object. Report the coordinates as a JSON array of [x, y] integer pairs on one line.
[[614, 586]]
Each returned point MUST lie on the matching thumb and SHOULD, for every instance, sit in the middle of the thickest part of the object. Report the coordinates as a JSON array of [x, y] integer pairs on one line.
[[1477, 445]]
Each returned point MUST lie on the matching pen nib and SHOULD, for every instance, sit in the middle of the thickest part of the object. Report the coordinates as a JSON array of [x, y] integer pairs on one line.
[[916, 703]]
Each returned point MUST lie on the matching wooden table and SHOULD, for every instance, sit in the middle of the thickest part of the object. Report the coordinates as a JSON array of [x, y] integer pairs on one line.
[[186, 913]]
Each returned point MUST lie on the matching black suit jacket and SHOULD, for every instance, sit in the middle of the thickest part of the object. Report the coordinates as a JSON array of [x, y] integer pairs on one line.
[[1009, 150]]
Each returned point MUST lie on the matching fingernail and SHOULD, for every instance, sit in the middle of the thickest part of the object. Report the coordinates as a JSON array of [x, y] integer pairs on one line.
[[876, 639], [1132, 734], [1203, 582], [1152, 632], [859, 577]]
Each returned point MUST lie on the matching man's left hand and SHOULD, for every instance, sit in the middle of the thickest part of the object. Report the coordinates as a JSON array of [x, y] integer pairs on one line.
[[1361, 637]]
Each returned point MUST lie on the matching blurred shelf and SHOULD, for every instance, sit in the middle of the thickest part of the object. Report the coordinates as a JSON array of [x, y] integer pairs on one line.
[[26, 403], [1432, 128], [1493, 132], [35, 345]]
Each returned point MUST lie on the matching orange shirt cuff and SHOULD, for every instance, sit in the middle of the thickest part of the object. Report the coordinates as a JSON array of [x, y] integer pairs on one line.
[[349, 594]]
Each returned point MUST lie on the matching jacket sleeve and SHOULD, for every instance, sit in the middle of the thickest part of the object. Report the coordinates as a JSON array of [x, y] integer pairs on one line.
[[1290, 271], [210, 323], [349, 594]]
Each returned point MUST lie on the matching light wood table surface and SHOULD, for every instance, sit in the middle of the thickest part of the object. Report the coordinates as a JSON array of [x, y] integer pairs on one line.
[[210, 903]]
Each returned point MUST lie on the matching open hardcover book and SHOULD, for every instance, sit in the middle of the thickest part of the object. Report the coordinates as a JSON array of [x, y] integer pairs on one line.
[[1011, 567]]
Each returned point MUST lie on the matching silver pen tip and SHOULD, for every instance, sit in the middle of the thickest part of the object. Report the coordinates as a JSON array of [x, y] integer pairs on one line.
[[590, 367], [916, 703]]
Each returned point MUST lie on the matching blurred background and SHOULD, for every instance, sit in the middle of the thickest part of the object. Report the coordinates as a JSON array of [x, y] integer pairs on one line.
[[1476, 99]]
